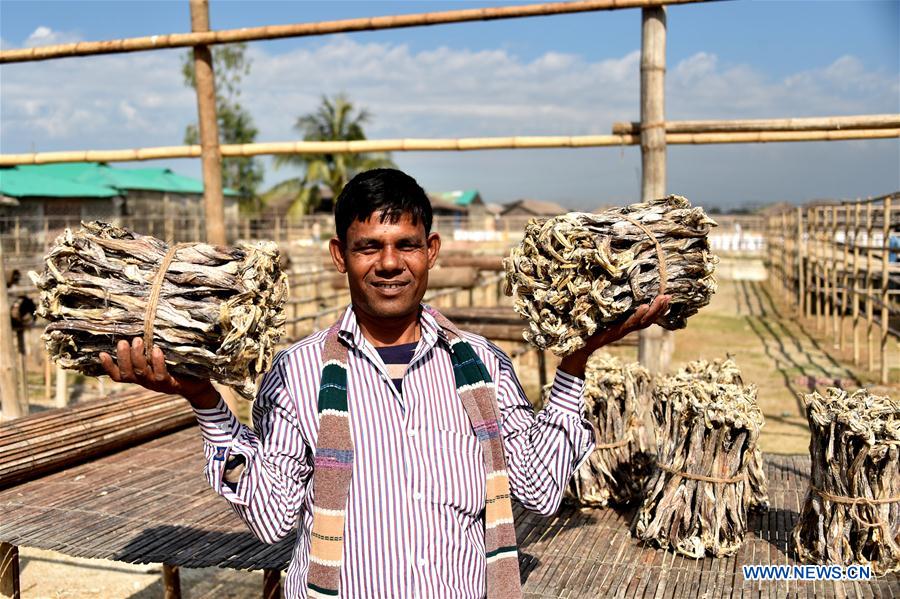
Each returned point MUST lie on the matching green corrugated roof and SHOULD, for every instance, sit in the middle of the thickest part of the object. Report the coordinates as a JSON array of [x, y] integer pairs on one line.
[[460, 198], [18, 183], [124, 179]]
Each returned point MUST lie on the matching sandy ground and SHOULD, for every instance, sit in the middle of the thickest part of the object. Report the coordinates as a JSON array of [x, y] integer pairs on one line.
[[781, 354]]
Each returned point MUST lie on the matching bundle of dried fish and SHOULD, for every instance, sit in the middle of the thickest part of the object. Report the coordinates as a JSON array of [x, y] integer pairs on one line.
[[851, 514], [577, 272], [698, 496], [617, 397], [217, 311], [726, 372]]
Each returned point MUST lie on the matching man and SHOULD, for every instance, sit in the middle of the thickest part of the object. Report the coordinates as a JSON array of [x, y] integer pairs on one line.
[[391, 441]]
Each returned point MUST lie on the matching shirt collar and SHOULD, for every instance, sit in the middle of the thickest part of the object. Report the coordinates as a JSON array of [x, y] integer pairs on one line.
[[351, 333]]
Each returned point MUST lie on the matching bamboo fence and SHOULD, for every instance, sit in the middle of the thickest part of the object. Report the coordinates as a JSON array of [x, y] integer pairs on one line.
[[271, 32], [462, 144], [838, 265]]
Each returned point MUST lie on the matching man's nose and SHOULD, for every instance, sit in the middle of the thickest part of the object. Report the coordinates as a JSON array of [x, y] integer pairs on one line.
[[389, 259]]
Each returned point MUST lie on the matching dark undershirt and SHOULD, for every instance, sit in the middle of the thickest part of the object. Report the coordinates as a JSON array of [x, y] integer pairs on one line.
[[397, 358]]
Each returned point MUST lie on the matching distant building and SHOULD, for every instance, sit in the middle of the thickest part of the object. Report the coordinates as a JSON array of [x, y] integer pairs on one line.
[[533, 208], [444, 207], [469, 199], [70, 192]]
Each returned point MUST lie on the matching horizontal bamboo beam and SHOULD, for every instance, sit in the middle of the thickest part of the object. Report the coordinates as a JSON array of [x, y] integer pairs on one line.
[[270, 32], [438, 145], [867, 121]]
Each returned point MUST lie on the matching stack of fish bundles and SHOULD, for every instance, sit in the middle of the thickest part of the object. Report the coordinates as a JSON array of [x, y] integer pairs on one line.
[[617, 397], [579, 272], [851, 514], [726, 372], [216, 312], [698, 497]]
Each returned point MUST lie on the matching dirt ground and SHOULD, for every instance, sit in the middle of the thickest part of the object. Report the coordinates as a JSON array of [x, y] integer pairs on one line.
[[778, 352]]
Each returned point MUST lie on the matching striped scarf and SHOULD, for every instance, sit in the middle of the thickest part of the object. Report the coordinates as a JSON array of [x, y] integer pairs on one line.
[[334, 464]]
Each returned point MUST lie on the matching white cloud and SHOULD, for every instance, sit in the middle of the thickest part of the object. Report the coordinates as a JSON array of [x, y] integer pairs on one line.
[[134, 100], [45, 36]]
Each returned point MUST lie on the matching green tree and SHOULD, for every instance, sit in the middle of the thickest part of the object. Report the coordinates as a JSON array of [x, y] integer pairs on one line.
[[336, 119], [230, 65]]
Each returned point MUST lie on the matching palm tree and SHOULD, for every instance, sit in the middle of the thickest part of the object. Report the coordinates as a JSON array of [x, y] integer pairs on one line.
[[335, 120]]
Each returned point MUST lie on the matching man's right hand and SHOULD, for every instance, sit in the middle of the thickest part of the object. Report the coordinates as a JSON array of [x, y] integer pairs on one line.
[[131, 366]]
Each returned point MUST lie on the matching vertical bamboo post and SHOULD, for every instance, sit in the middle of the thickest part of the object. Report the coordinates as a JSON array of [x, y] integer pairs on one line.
[[209, 129], [9, 571], [271, 583], [811, 261], [542, 369], [651, 341], [786, 271], [885, 285], [801, 291], [855, 305], [870, 293], [23, 364], [48, 376], [12, 403], [817, 279], [835, 311], [62, 389], [845, 270], [17, 236], [171, 582]]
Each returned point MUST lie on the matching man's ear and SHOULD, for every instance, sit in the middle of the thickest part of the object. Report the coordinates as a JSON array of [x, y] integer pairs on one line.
[[337, 254], [434, 247]]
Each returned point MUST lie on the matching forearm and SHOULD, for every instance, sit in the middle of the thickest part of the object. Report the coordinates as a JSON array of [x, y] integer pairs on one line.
[[544, 449], [268, 493]]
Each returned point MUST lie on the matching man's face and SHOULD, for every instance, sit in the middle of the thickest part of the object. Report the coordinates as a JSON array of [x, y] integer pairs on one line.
[[386, 264]]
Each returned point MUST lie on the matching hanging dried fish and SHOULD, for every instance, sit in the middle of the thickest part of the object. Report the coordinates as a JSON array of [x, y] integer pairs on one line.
[[698, 496], [851, 514], [577, 272], [219, 312], [617, 397]]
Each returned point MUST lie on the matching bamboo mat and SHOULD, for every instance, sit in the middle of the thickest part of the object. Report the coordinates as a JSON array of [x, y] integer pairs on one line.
[[151, 504]]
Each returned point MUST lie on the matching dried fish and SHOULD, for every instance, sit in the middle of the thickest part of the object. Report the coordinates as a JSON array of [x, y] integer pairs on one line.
[[220, 310], [617, 397], [698, 497], [851, 513], [575, 273]]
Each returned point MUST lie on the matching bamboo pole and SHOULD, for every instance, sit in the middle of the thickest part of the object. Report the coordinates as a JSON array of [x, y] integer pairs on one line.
[[652, 340], [271, 583], [209, 129], [835, 315], [870, 292], [12, 403], [785, 291], [9, 571], [885, 285], [856, 222], [171, 581], [867, 121], [436, 145], [270, 32], [801, 246], [845, 270], [817, 278], [62, 389]]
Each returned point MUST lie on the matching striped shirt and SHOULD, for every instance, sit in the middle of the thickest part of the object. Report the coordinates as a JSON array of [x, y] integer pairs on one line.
[[415, 512]]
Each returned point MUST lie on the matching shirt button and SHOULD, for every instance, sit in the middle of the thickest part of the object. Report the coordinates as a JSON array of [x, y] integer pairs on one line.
[[423, 561], [411, 433], [417, 496]]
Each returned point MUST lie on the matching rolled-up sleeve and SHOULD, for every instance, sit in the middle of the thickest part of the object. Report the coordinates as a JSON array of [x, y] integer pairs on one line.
[[543, 449], [270, 491]]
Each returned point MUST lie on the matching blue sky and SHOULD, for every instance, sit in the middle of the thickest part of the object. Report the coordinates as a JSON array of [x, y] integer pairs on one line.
[[573, 74]]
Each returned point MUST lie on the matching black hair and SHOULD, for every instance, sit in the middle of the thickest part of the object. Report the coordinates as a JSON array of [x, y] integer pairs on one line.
[[385, 190]]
